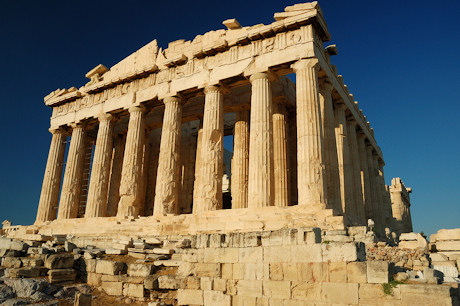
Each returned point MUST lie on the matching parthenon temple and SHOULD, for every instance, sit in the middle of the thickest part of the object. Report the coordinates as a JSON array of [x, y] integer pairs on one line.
[[140, 147]]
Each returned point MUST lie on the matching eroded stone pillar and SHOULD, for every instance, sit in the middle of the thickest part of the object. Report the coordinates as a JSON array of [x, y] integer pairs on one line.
[[310, 165], [260, 182], [167, 185], [365, 180], [49, 196], [212, 151], [115, 175], [131, 174], [280, 140], [70, 194], [196, 183], [372, 180], [330, 148], [240, 161], [187, 169], [96, 205], [343, 154], [152, 172], [358, 206]]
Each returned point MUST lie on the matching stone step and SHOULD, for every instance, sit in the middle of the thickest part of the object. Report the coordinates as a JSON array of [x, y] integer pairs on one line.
[[167, 263], [163, 251]]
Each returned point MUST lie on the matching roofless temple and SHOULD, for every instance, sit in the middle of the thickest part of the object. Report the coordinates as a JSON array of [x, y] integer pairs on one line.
[[145, 139]]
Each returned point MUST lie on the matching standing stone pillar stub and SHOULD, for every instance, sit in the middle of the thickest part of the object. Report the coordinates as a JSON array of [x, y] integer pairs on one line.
[[168, 173], [260, 179], [280, 153], [310, 142], [240, 160]]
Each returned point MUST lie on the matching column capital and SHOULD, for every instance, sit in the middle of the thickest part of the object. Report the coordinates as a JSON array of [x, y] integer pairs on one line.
[[339, 103], [361, 134], [352, 121], [219, 88], [105, 117], [325, 85], [79, 124], [58, 130], [259, 75], [133, 109], [175, 98], [306, 63]]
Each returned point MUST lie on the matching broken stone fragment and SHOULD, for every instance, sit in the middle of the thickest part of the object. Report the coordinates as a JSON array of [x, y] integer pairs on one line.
[[59, 261], [61, 275]]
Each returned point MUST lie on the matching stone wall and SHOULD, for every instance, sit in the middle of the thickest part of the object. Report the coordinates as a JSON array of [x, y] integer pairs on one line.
[[294, 266]]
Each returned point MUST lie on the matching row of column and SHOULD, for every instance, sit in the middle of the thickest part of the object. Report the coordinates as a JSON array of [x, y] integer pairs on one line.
[[335, 166]]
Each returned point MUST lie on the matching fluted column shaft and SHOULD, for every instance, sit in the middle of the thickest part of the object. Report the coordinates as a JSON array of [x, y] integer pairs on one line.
[[356, 173], [372, 182], [131, 173], [310, 165], [167, 185], [365, 180], [280, 141], [187, 170], [385, 204], [96, 205], [330, 148], [212, 150], [260, 182], [115, 175], [70, 194], [49, 196], [343, 154], [196, 183], [152, 172], [240, 161]]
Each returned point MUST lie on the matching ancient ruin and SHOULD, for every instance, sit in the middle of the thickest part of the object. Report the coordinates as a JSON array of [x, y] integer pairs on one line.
[[146, 136], [299, 213]]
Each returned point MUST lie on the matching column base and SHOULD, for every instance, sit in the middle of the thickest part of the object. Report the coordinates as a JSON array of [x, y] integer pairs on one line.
[[127, 208]]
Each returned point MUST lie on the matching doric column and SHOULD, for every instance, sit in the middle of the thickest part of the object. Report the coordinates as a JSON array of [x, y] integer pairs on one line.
[[152, 172], [96, 205], [358, 210], [292, 144], [115, 175], [167, 185], [196, 183], [131, 173], [49, 196], [380, 193], [210, 196], [365, 181], [144, 171], [343, 154], [385, 205], [330, 148], [260, 182], [372, 181], [70, 194], [240, 161], [187, 169], [281, 172], [310, 165]]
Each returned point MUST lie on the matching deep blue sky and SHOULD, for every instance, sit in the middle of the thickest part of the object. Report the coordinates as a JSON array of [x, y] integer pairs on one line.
[[399, 59]]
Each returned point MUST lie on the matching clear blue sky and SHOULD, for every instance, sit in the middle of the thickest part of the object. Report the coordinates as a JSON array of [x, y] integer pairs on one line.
[[399, 59]]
